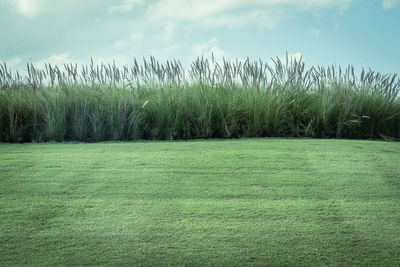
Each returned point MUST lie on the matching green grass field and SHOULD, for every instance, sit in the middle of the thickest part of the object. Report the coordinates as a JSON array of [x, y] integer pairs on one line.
[[217, 202]]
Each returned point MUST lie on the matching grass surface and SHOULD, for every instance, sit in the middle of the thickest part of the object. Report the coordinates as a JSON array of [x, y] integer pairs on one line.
[[225, 202]]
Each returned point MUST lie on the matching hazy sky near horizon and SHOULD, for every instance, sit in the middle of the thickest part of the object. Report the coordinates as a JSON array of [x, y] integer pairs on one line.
[[364, 33]]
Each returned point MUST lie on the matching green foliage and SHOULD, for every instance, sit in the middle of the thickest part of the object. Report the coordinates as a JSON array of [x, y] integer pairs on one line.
[[78, 114], [55, 105], [160, 102], [19, 116]]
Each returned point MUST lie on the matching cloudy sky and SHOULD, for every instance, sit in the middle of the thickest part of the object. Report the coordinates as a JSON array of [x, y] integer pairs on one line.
[[364, 33]]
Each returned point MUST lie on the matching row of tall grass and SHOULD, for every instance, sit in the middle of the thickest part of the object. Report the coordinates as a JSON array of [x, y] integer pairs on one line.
[[212, 100]]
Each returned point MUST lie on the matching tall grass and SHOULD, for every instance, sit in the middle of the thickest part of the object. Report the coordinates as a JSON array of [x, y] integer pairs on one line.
[[211, 99]]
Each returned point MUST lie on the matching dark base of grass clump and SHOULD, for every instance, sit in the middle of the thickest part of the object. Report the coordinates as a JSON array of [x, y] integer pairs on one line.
[[292, 103]]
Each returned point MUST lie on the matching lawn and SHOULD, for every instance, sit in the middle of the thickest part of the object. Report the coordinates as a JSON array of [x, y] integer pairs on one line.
[[208, 202]]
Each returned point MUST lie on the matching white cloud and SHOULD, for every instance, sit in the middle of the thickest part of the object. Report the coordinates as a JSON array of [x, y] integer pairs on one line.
[[118, 59], [56, 60], [208, 49], [13, 62], [287, 59], [235, 13], [260, 18], [64, 58], [136, 37], [292, 57], [164, 32], [168, 32], [28, 8], [132, 41], [35, 8], [124, 6], [164, 53], [388, 4], [120, 44], [315, 32]]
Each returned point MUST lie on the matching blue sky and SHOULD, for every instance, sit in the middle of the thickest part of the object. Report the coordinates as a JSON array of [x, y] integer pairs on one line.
[[364, 33]]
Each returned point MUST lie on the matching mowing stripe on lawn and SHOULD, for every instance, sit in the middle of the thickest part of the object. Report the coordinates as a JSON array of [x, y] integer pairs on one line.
[[205, 202]]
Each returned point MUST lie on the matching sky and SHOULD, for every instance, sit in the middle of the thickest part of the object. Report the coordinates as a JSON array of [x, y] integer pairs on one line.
[[363, 33]]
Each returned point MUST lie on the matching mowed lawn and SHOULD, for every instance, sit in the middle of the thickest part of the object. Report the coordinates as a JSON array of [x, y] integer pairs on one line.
[[208, 202]]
